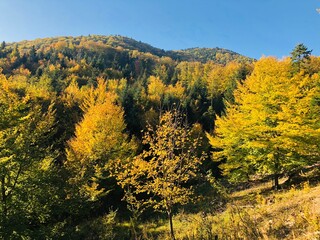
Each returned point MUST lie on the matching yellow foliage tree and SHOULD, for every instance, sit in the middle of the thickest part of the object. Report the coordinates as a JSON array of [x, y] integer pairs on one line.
[[270, 128], [156, 89], [99, 138], [26, 127], [165, 169]]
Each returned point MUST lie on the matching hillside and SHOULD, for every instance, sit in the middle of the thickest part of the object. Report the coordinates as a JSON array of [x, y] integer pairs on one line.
[[217, 55], [110, 138], [85, 58], [259, 213]]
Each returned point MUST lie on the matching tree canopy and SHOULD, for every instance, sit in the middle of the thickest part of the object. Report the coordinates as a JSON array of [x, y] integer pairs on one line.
[[269, 128]]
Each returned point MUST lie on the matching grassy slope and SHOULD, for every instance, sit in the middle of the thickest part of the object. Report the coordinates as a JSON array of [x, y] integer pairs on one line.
[[254, 213]]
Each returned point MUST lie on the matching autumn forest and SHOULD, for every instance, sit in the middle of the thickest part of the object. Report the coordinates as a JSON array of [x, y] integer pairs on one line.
[[105, 137]]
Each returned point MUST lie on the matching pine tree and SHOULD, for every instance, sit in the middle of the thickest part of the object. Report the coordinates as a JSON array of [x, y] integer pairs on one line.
[[300, 56], [3, 45]]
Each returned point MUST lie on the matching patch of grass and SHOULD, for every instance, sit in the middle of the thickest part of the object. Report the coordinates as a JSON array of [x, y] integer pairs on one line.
[[292, 214], [254, 213]]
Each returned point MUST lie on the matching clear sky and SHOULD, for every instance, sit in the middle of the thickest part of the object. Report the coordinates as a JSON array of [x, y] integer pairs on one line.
[[250, 27]]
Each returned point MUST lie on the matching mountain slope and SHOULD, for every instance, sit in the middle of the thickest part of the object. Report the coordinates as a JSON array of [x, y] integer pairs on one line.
[[217, 55]]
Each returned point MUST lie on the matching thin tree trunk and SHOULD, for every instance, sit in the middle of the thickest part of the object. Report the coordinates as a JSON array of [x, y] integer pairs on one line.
[[3, 200], [171, 225], [276, 170], [133, 225], [276, 181]]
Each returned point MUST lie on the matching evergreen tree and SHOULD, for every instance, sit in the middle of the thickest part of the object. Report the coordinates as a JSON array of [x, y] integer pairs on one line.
[[3, 45], [299, 56]]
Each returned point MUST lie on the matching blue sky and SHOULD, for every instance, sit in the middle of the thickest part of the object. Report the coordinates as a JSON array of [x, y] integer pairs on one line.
[[250, 27]]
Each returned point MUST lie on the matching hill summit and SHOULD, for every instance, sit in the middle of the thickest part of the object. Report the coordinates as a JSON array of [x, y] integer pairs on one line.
[[203, 55]]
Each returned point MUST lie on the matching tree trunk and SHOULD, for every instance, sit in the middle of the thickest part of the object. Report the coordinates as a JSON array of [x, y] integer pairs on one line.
[[276, 170], [276, 181], [3, 200], [171, 225]]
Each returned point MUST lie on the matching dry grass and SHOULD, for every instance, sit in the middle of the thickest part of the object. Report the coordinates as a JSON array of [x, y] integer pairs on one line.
[[291, 214], [254, 213]]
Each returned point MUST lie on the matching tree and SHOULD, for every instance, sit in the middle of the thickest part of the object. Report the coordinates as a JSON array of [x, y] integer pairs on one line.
[[300, 52], [221, 81], [270, 127], [3, 45], [156, 90], [163, 171], [99, 138], [300, 55], [26, 128], [32, 55]]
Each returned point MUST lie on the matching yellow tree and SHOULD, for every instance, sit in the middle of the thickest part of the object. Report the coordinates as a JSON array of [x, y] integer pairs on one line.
[[99, 138], [220, 83], [269, 129], [164, 170], [26, 127], [156, 90]]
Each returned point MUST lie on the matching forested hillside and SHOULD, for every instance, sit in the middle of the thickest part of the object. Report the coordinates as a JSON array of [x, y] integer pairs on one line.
[[102, 135]]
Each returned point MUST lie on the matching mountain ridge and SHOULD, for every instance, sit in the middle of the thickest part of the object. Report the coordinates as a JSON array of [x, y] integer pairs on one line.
[[194, 54]]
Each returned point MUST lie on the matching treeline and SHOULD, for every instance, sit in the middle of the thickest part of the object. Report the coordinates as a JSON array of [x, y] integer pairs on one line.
[[90, 126]]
